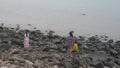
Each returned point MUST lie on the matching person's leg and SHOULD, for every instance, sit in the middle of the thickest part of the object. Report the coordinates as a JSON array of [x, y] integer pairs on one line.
[[70, 51]]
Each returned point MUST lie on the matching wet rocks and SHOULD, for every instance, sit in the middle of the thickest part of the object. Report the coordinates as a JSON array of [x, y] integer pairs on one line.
[[98, 55], [99, 65], [117, 61], [49, 51]]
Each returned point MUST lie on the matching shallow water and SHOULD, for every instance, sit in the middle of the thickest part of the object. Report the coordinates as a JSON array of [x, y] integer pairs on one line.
[[83, 16]]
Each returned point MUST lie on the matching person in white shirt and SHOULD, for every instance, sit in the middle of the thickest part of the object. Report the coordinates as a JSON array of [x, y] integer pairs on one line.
[[26, 40]]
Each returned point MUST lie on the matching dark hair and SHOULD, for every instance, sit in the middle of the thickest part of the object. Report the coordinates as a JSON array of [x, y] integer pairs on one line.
[[27, 31], [71, 33]]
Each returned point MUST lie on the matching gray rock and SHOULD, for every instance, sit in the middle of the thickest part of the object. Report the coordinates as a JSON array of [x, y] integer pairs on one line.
[[98, 55], [84, 47], [28, 64], [117, 43], [99, 65], [5, 47], [94, 63], [57, 41], [109, 64], [46, 49], [37, 64], [113, 52], [4, 67], [117, 61]]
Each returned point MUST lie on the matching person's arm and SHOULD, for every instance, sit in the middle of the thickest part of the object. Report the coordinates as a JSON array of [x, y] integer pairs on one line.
[[25, 35], [28, 35]]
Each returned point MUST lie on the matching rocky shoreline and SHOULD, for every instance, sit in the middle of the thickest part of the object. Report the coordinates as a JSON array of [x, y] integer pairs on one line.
[[49, 51]]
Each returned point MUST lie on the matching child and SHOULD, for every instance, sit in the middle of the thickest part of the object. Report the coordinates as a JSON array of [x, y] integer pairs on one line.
[[26, 40], [75, 47]]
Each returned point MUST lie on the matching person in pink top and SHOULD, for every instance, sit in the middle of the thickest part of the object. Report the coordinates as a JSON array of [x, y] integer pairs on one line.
[[26, 40]]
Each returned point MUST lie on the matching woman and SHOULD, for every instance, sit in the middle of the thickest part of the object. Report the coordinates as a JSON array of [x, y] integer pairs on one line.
[[26, 40], [70, 42]]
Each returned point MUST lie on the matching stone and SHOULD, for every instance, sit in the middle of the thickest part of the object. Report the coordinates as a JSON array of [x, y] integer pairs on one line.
[[117, 43], [49, 51], [1, 62], [84, 47], [46, 49], [4, 67], [57, 41], [113, 52], [94, 63], [98, 55], [99, 65], [109, 64], [5, 47], [117, 61], [75, 62], [56, 55], [38, 64], [28, 64], [17, 58]]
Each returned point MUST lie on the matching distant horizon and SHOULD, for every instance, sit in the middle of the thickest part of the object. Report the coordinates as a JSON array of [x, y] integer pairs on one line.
[[92, 17], [31, 27]]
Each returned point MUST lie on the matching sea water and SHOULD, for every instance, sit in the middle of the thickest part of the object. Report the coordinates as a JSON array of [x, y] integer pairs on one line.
[[85, 17]]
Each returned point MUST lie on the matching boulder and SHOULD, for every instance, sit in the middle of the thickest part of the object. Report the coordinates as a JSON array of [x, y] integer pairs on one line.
[[117, 61], [28, 64], [4, 67], [98, 55], [113, 52], [99, 65]]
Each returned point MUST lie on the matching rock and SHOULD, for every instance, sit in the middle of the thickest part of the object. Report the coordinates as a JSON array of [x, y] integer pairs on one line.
[[38, 64], [76, 63], [14, 51], [46, 49], [117, 61], [56, 66], [26, 56], [98, 55], [99, 65], [14, 66], [110, 41], [94, 39], [85, 47], [118, 56], [28, 64], [113, 52], [1, 62], [94, 63], [57, 41], [49, 51], [4, 35], [17, 58], [56, 55], [17, 42], [4, 67], [5, 47], [109, 64], [117, 43], [66, 62], [1, 29]]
